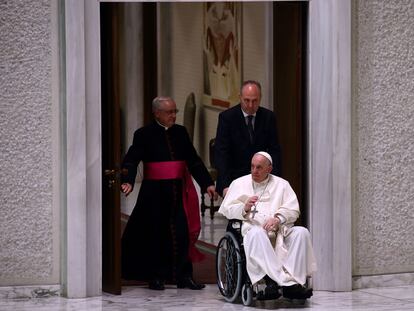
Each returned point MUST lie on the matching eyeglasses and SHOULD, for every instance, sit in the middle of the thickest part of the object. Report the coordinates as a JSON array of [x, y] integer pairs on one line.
[[170, 112]]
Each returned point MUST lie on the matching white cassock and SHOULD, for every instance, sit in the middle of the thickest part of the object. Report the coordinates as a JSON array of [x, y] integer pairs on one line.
[[285, 256]]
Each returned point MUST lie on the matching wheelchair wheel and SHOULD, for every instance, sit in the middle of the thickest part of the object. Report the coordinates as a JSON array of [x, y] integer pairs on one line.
[[247, 295], [229, 265]]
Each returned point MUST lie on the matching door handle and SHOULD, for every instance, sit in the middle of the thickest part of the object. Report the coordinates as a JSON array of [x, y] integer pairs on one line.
[[109, 172], [111, 175], [111, 182]]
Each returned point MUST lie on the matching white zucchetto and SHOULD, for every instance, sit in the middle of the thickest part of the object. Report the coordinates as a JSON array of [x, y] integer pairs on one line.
[[266, 155]]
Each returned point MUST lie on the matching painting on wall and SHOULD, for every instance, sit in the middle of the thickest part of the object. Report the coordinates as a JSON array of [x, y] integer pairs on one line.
[[222, 53]]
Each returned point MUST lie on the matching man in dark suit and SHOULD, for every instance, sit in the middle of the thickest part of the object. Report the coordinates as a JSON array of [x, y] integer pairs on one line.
[[242, 131]]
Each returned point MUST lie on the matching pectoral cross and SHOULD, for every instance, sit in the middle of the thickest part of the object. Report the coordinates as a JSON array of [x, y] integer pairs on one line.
[[254, 211]]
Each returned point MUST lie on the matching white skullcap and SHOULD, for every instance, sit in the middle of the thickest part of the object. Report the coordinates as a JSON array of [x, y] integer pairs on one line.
[[266, 155]]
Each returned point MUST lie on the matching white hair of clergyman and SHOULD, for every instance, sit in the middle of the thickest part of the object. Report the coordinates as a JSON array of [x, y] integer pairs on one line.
[[266, 155], [157, 101]]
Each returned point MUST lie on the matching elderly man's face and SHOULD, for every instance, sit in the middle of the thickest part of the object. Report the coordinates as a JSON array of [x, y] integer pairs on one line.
[[260, 168], [167, 113], [250, 98]]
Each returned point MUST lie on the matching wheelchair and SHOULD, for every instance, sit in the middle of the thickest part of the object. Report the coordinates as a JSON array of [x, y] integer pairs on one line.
[[232, 278]]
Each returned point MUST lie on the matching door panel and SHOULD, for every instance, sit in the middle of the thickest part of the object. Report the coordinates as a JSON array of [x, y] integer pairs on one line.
[[289, 93], [149, 37], [112, 43], [111, 150]]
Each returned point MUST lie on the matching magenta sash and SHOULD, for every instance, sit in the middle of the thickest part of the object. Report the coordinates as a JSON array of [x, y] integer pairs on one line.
[[178, 170]]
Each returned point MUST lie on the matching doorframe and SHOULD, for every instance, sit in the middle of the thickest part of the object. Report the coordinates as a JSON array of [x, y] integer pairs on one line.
[[329, 100], [80, 140], [329, 150]]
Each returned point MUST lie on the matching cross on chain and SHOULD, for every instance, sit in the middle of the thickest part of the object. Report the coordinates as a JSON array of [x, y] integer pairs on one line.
[[254, 211]]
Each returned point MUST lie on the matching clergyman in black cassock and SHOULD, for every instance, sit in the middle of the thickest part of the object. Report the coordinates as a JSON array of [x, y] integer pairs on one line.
[[157, 244]]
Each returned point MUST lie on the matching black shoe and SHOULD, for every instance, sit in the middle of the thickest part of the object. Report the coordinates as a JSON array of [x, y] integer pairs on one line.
[[156, 284], [270, 282], [297, 291], [271, 292], [189, 283]]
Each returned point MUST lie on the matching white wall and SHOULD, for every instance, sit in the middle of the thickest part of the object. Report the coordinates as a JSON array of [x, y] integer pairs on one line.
[[29, 178], [383, 137]]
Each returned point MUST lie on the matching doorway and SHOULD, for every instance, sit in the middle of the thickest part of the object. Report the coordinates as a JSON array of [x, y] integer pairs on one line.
[[289, 95]]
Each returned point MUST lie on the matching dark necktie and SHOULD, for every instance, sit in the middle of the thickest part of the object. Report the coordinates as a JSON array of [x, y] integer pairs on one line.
[[250, 127]]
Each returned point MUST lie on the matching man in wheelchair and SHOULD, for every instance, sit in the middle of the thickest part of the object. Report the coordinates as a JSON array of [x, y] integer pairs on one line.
[[276, 251]]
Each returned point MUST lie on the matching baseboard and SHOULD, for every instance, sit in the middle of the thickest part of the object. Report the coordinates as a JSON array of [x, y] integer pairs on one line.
[[384, 280], [29, 291]]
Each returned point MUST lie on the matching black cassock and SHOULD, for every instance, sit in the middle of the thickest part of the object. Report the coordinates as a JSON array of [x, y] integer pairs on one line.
[[155, 241]]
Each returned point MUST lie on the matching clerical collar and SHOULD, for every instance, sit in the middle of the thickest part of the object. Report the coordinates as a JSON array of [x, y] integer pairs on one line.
[[262, 183], [165, 128]]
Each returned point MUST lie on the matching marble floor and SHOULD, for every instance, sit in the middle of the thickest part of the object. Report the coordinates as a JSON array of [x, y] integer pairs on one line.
[[172, 299], [212, 230]]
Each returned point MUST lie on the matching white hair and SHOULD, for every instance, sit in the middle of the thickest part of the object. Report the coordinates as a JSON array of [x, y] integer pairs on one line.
[[157, 101]]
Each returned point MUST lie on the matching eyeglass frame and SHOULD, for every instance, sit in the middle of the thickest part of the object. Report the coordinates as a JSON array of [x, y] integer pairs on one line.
[[169, 112]]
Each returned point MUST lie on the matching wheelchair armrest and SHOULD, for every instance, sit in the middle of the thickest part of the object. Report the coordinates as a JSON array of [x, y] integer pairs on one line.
[[235, 225]]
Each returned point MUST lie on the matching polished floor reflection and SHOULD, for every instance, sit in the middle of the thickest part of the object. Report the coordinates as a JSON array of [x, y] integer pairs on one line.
[[172, 299], [212, 229]]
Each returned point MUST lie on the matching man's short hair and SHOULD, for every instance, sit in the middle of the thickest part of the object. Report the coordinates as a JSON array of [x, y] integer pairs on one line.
[[247, 82]]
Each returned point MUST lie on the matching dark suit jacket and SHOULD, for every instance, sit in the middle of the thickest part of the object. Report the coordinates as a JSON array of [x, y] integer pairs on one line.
[[233, 151]]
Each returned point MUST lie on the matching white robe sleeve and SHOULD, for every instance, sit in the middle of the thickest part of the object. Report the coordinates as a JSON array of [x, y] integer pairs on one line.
[[233, 204], [289, 208]]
